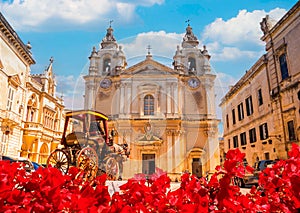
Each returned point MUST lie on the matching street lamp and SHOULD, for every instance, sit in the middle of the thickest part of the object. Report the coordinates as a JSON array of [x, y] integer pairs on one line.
[[7, 130]]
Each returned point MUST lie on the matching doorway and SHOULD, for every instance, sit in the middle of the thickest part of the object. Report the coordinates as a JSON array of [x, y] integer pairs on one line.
[[148, 166], [197, 167]]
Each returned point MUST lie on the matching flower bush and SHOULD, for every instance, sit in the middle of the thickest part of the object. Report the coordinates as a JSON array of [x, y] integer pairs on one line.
[[48, 190]]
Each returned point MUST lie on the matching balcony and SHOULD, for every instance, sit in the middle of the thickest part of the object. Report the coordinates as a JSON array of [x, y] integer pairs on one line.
[[11, 117], [32, 128]]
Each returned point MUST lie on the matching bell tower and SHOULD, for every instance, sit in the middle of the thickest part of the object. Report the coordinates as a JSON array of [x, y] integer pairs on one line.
[[197, 89], [189, 59], [110, 59], [107, 62]]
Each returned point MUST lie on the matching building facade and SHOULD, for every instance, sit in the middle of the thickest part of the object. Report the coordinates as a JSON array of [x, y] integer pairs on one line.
[[15, 61], [30, 114], [261, 112], [166, 115], [44, 117]]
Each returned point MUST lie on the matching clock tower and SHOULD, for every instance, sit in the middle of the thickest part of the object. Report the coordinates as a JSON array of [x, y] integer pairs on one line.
[[198, 99], [193, 63], [106, 63]]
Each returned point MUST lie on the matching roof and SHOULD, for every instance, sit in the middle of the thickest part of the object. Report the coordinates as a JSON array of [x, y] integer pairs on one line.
[[13, 37], [80, 114]]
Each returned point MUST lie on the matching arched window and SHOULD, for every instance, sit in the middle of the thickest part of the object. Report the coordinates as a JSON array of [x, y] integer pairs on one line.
[[106, 65], [191, 64], [148, 105], [43, 154]]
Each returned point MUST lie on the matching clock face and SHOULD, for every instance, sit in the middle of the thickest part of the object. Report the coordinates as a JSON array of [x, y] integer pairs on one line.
[[193, 82], [105, 83]]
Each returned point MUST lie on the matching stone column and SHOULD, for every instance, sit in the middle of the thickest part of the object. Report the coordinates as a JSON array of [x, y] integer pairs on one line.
[[122, 101], [173, 151], [127, 99], [210, 97], [212, 149], [169, 150], [175, 99], [178, 150], [172, 98], [90, 95], [169, 106]]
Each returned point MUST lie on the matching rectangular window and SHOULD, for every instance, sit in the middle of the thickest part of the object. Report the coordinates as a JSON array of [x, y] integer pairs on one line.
[[283, 66], [291, 131], [243, 138], [263, 131], [240, 111], [10, 99], [259, 97], [227, 121], [228, 143], [235, 142], [149, 105], [252, 135], [233, 116], [249, 106]]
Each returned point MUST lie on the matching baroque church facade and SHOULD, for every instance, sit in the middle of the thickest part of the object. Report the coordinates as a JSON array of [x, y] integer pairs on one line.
[[166, 115]]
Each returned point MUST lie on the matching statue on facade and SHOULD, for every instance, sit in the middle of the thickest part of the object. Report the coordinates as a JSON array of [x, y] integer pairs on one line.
[[109, 34], [189, 35], [266, 24]]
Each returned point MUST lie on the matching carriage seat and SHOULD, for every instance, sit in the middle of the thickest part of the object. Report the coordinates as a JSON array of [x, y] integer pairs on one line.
[[75, 138]]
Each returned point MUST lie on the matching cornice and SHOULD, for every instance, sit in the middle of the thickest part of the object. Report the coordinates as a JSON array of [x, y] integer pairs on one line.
[[13, 38], [248, 76]]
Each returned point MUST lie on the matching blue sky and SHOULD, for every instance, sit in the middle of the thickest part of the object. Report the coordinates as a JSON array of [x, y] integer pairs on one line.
[[68, 30]]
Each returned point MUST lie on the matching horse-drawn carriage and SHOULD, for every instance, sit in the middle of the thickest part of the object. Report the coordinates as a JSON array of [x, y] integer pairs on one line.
[[87, 144]]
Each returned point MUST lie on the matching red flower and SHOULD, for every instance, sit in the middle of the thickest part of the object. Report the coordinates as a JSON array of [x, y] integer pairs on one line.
[[48, 190]]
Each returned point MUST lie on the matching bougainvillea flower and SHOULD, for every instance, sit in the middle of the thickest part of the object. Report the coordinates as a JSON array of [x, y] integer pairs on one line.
[[48, 190]]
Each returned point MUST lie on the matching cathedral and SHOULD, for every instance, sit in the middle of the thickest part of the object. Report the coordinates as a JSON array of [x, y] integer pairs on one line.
[[165, 114]]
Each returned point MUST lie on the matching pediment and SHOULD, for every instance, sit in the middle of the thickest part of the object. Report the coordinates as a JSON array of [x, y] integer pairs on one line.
[[149, 67], [14, 80], [148, 138]]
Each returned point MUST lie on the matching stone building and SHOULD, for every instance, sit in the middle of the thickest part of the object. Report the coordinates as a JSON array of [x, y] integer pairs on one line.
[[261, 112], [30, 114], [166, 115], [44, 117]]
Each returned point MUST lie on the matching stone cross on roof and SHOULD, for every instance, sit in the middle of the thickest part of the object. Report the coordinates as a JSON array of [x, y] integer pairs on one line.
[[188, 21], [110, 21], [149, 48]]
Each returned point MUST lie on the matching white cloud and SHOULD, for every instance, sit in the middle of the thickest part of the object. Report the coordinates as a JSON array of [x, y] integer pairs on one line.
[[222, 83], [36, 13], [238, 37], [125, 10], [162, 44], [243, 28], [224, 53], [72, 89]]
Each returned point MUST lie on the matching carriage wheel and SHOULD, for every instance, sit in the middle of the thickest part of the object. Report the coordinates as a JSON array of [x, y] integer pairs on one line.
[[87, 161], [59, 159], [112, 168]]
